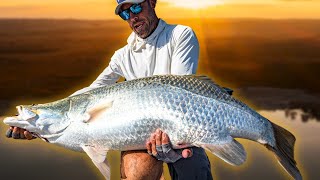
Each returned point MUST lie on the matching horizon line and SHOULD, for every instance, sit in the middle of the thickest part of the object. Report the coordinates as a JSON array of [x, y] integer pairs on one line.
[[101, 19]]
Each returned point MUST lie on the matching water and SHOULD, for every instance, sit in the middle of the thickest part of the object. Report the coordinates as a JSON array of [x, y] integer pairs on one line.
[[49, 59], [39, 160], [261, 164]]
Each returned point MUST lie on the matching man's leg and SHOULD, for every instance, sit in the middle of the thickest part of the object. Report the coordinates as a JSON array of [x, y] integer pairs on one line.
[[139, 165], [197, 167]]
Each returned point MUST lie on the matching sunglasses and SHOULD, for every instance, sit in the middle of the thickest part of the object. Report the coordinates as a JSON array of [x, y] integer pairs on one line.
[[134, 8]]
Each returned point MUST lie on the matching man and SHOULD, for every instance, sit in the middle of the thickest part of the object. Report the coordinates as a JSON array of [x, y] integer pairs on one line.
[[153, 48]]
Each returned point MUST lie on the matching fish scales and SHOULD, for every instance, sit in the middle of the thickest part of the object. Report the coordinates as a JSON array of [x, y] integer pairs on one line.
[[192, 110], [161, 102]]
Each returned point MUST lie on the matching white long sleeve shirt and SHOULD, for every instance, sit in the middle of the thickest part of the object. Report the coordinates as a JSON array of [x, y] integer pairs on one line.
[[170, 49]]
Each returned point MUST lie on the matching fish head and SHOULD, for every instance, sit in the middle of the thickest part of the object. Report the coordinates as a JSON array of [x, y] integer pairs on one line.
[[45, 121]]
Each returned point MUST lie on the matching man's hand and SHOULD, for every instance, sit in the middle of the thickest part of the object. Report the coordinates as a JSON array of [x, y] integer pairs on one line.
[[160, 147], [18, 133]]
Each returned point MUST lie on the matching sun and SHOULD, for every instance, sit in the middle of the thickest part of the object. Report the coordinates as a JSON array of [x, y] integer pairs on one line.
[[194, 4]]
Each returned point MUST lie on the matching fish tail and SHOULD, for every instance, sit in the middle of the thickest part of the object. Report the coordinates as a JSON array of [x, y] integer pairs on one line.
[[284, 150]]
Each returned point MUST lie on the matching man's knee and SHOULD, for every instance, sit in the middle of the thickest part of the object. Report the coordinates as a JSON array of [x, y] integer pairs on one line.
[[138, 165]]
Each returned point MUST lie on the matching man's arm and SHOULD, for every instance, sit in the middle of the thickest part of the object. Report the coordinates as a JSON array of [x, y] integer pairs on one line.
[[190, 163], [186, 52], [184, 62], [109, 76]]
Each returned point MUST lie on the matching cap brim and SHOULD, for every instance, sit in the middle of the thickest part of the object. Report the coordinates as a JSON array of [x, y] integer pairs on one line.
[[124, 2]]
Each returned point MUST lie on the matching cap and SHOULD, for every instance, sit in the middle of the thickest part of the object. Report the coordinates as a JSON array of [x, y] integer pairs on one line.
[[120, 2]]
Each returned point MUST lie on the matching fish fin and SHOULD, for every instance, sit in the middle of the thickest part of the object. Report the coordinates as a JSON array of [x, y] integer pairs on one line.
[[210, 82], [231, 152], [284, 150], [96, 111], [204, 79], [228, 90], [99, 158]]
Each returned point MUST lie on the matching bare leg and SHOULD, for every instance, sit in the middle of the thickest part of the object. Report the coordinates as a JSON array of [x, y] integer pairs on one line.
[[139, 165]]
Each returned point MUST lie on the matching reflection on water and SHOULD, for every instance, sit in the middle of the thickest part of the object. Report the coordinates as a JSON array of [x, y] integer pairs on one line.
[[261, 164], [305, 115], [269, 98], [39, 160], [307, 137]]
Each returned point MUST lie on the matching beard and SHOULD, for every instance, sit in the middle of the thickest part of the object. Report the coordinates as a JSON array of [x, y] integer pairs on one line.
[[144, 27]]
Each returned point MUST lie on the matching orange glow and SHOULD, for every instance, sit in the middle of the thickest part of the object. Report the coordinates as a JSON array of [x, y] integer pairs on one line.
[[191, 4], [104, 9]]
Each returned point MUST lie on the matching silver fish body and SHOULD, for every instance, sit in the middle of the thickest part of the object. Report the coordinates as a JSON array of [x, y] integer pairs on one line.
[[192, 110]]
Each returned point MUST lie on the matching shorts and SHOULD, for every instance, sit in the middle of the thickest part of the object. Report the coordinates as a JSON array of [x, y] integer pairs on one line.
[[197, 167]]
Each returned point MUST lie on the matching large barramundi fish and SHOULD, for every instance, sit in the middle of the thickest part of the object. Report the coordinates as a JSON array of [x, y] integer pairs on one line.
[[192, 110]]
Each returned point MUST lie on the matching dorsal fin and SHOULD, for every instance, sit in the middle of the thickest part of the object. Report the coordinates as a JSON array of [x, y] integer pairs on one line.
[[203, 78], [198, 84], [209, 81]]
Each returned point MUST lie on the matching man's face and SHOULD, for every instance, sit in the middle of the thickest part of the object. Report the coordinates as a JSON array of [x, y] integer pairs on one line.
[[145, 22]]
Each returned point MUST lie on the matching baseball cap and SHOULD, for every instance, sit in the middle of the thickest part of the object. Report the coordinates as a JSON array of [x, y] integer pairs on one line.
[[120, 2]]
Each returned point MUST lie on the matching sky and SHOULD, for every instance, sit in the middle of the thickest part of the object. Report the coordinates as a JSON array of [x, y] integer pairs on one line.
[[104, 9]]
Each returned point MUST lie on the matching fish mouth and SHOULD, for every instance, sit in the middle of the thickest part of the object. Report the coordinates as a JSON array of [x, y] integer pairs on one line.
[[27, 118], [26, 114], [17, 122], [22, 120]]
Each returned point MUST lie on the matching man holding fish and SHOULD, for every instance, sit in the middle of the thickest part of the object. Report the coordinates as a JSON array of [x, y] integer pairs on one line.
[[154, 48]]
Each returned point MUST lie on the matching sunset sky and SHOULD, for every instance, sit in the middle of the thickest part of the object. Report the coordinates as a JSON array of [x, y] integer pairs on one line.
[[104, 9]]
